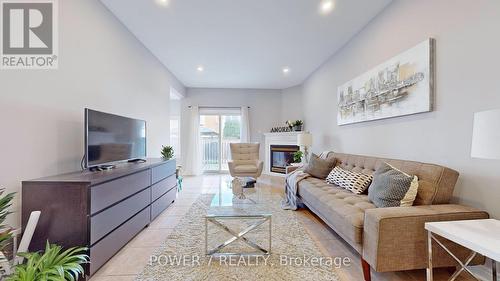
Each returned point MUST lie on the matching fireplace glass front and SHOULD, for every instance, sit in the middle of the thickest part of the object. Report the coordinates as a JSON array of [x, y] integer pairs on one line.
[[281, 157]]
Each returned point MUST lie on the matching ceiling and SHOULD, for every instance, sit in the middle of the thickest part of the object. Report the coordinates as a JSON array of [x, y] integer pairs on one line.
[[243, 43]]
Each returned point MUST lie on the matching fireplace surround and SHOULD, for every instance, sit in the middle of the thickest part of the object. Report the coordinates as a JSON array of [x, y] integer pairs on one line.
[[284, 139]]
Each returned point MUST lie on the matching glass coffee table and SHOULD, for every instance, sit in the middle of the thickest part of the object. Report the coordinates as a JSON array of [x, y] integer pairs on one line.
[[238, 225], [251, 223]]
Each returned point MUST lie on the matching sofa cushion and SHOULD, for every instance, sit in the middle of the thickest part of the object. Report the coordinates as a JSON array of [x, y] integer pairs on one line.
[[390, 186], [319, 168], [245, 169], [342, 209], [356, 183]]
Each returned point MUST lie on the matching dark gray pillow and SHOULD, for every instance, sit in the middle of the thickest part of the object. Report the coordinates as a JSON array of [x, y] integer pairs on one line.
[[319, 168], [389, 186]]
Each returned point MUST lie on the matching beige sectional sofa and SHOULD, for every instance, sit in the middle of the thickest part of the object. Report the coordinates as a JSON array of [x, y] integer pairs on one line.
[[389, 239]]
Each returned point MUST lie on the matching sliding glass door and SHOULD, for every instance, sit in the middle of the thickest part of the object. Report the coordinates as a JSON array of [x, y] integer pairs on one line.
[[218, 128]]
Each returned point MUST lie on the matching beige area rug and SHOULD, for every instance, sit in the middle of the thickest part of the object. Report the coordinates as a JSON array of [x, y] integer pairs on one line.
[[294, 255]]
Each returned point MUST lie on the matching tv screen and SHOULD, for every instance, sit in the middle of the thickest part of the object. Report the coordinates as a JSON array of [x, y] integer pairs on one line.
[[111, 138]]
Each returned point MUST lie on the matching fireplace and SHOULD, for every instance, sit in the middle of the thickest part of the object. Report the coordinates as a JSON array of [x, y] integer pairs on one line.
[[281, 157]]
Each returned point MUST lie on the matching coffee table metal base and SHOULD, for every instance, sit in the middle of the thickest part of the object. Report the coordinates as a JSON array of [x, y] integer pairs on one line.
[[237, 236]]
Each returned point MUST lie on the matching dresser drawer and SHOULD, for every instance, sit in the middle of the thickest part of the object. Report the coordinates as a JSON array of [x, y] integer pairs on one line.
[[160, 188], [162, 171], [111, 192], [104, 222], [101, 252], [162, 203]]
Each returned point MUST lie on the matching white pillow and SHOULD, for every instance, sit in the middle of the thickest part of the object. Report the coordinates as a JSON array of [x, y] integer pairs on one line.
[[355, 182]]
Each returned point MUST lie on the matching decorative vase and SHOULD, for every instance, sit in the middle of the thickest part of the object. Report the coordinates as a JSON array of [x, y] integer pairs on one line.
[[237, 188], [297, 128]]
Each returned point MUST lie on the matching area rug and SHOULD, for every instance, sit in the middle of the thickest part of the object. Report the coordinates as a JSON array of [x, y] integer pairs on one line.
[[294, 255]]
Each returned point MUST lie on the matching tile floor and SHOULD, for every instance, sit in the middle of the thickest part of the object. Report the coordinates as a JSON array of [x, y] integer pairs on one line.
[[131, 260]]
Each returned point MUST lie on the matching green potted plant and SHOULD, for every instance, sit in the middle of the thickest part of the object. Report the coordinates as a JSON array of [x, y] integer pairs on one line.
[[5, 231], [53, 264], [167, 152], [297, 156], [297, 125]]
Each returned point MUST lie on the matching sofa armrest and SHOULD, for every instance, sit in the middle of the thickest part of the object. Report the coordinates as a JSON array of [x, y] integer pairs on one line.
[[395, 239], [290, 169]]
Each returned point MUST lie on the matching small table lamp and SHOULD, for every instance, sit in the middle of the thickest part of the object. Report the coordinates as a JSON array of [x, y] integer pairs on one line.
[[486, 135], [305, 140]]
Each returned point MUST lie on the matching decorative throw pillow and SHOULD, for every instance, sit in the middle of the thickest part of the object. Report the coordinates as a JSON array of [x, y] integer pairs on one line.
[[392, 188], [355, 182], [318, 167]]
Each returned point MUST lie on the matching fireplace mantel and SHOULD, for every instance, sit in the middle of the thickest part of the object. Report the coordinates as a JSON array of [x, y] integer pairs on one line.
[[287, 138]]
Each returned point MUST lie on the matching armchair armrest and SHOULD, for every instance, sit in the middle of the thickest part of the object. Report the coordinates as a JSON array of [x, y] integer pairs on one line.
[[395, 239], [230, 165], [260, 167]]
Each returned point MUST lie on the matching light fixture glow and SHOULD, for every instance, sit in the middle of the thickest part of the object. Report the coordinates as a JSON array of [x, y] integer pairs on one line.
[[286, 70], [326, 6], [200, 68], [163, 2]]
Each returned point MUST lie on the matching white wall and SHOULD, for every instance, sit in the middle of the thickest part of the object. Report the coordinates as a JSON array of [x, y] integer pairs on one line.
[[264, 112], [101, 66], [291, 104], [467, 60]]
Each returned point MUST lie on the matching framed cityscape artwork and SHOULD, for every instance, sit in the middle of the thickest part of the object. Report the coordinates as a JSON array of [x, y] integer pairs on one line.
[[400, 86]]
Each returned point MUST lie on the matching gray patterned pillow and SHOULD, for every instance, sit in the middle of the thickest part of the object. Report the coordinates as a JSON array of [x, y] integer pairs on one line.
[[355, 182], [392, 187]]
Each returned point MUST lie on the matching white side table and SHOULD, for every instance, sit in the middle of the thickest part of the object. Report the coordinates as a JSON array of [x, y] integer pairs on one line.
[[480, 236]]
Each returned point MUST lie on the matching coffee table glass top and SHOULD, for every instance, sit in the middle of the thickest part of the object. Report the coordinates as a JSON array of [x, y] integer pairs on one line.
[[257, 201], [225, 197]]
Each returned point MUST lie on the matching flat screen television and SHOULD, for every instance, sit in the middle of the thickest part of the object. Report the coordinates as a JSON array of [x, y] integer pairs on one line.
[[112, 138]]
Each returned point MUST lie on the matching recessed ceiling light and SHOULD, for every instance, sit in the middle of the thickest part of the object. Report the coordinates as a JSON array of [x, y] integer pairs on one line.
[[200, 68], [163, 2], [286, 70], [326, 6]]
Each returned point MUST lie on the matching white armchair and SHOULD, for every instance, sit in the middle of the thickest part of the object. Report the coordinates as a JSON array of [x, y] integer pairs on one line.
[[245, 160]]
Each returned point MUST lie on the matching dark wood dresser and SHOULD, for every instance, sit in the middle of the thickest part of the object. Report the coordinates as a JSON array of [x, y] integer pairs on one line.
[[100, 210]]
